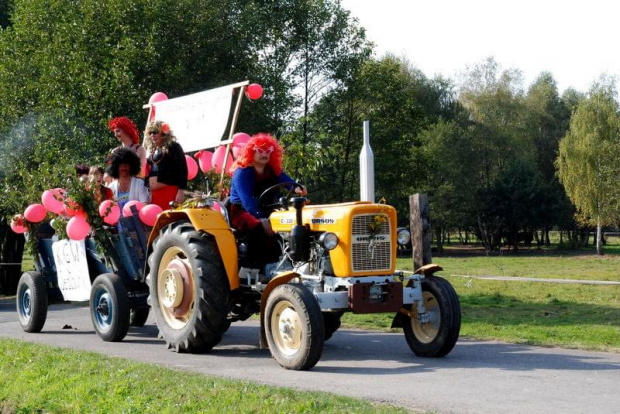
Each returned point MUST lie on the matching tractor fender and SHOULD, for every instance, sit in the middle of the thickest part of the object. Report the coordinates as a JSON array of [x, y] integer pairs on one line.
[[404, 315], [273, 283], [211, 222]]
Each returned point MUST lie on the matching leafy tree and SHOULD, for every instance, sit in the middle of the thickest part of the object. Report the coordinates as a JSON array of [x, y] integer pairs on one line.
[[587, 161], [547, 122]]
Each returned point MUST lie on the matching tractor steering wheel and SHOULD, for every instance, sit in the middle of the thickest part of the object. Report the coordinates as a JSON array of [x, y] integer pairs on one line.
[[262, 199]]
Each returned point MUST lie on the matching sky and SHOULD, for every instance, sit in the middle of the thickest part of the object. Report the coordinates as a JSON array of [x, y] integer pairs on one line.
[[576, 41]]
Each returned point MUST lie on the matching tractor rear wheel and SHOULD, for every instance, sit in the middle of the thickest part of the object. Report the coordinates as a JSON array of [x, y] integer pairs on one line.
[[189, 289], [294, 327], [109, 307], [435, 333], [31, 301]]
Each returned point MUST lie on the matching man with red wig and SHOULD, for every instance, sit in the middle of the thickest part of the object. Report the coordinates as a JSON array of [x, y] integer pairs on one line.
[[126, 131], [258, 167]]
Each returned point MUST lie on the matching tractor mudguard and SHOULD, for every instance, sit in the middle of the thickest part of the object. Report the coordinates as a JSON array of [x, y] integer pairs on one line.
[[211, 222]]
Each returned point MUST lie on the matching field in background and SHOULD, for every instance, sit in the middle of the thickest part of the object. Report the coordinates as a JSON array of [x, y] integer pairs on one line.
[[548, 314]]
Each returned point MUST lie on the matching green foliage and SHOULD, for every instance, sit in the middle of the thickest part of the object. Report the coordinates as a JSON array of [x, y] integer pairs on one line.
[[587, 161]]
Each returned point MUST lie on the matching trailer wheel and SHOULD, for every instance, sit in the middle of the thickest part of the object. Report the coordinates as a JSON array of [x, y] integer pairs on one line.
[[331, 321], [138, 316], [294, 327], [189, 288], [109, 307], [31, 301], [437, 337]]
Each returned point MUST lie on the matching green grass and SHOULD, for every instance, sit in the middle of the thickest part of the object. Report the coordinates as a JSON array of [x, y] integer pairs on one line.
[[36, 378]]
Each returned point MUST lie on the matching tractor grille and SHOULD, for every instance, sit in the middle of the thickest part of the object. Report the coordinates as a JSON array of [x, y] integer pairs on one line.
[[368, 254]]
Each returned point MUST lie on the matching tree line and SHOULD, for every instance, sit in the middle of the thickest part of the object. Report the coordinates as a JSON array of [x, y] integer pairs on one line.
[[496, 159]]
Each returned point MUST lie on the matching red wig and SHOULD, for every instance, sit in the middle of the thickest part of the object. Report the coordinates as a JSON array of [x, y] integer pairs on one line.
[[127, 126], [264, 142]]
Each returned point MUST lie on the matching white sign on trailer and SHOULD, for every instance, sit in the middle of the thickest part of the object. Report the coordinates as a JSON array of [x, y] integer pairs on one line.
[[198, 120], [72, 270]]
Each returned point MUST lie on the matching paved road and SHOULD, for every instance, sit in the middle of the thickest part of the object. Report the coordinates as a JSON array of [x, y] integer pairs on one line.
[[477, 377]]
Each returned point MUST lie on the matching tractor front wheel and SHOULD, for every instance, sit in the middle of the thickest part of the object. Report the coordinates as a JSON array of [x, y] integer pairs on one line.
[[189, 289], [109, 307], [434, 333], [31, 301], [294, 327]]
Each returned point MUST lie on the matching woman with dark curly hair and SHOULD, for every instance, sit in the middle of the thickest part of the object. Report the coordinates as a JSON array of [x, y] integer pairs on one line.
[[166, 165], [125, 187], [126, 131]]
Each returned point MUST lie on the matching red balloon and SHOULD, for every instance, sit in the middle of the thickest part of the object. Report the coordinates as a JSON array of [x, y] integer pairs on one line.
[[218, 159], [158, 97], [77, 228], [148, 214], [18, 225], [127, 207], [53, 200], [192, 167], [110, 212], [254, 91], [35, 213], [204, 160]]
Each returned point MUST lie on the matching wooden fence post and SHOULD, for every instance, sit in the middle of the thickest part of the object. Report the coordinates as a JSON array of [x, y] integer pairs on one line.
[[420, 226]]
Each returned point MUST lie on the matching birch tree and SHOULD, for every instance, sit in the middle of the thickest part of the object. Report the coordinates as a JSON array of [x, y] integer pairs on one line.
[[589, 158]]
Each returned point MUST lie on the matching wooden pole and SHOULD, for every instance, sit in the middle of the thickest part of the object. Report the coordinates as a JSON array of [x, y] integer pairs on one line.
[[420, 222]]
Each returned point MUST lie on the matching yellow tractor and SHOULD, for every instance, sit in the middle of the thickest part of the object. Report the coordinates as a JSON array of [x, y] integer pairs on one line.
[[335, 258]]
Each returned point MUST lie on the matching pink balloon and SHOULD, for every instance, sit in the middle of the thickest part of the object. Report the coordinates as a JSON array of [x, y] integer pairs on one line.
[[110, 212], [127, 207], [35, 213], [204, 160], [192, 167], [17, 224], [78, 228], [158, 97], [148, 214], [240, 140], [218, 159], [53, 200], [254, 91]]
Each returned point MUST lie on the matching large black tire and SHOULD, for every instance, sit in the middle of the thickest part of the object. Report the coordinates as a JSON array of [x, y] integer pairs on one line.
[[331, 322], [138, 316], [31, 301], [294, 327], [109, 307], [437, 337], [189, 289]]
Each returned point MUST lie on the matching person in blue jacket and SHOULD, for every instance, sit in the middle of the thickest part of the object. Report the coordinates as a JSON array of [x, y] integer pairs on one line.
[[258, 167]]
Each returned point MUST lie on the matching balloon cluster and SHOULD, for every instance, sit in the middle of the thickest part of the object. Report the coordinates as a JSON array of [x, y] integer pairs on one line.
[[55, 201], [208, 160]]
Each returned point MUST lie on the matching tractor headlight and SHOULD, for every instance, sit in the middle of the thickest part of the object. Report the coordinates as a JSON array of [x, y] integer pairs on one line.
[[328, 240], [403, 237]]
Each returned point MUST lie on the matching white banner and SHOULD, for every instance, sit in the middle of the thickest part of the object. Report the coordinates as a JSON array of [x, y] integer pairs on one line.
[[72, 270], [198, 120]]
